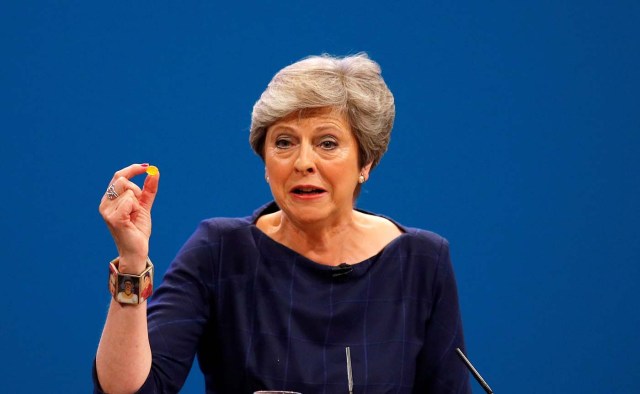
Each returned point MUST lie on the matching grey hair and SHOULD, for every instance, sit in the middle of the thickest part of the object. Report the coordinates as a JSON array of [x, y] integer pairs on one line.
[[352, 85]]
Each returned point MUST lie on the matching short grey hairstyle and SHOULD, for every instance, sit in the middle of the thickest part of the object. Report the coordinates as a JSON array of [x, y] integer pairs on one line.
[[352, 85]]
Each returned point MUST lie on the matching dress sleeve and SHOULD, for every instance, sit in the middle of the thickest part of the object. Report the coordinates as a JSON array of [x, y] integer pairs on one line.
[[178, 312], [440, 370]]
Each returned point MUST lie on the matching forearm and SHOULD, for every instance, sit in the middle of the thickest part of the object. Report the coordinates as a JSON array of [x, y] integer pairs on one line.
[[123, 360]]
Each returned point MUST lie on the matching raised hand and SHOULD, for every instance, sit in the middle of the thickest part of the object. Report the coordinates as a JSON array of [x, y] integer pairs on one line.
[[127, 211]]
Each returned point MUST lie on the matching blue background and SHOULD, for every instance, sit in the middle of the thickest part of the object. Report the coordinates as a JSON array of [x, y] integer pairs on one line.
[[517, 138]]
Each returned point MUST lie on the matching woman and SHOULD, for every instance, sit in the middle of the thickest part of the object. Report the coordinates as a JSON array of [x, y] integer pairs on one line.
[[273, 300]]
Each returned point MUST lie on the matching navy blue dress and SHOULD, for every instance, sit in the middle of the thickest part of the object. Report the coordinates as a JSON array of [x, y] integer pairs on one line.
[[261, 316]]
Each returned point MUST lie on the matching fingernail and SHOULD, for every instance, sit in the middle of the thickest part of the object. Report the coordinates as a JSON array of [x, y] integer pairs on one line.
[[145, 164]]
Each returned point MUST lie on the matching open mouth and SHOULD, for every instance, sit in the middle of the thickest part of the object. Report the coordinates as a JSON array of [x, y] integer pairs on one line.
[[307, 191]]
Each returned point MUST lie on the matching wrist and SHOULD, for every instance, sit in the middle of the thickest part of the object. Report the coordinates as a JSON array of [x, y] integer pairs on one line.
[[132, 265]]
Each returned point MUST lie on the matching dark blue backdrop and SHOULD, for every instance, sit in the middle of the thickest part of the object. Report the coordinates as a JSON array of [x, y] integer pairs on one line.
[[517, 127]]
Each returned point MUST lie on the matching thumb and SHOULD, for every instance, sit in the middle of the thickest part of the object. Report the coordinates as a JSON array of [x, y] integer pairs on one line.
[[149, 191]]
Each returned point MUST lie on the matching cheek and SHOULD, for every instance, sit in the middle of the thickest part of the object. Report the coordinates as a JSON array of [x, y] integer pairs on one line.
[[277, 167], [344, 164]]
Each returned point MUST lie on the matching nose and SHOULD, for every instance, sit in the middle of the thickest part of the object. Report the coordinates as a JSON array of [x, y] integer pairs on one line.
[[305, 162]]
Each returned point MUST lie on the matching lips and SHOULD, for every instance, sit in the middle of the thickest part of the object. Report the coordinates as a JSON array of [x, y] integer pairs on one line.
[[307, 190]]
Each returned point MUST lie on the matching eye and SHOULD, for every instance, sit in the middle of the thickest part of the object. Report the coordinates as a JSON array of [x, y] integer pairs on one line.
[[282, 143], [328, 144]]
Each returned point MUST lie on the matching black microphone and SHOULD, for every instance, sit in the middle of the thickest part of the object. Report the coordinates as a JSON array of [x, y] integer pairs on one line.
[[341, 270], [474, 371]]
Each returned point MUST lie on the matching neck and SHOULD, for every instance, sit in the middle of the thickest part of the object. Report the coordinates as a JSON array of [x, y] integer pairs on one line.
[[321, 242]]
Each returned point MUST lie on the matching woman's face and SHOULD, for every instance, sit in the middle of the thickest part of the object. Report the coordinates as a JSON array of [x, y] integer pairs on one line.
[[312, 166]]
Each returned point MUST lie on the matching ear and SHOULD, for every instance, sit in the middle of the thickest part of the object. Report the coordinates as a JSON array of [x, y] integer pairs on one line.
[[365, 170]]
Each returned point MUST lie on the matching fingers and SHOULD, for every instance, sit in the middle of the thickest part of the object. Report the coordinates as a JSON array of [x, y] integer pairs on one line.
[[126, 202], [129, 172], [149, 191], [126, 209], [120, 184]]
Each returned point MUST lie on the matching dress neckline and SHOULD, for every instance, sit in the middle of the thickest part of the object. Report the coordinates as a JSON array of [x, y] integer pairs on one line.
[[271, 245]]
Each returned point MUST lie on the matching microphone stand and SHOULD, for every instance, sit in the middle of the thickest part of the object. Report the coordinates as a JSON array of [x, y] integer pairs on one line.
[[475, 373]]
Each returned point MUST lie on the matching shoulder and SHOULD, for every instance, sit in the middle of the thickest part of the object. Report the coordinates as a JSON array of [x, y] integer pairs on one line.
[[201, 252], [427, 239], [423, 250], [220, 226], [426, 258], [223, 225], [417, 239], [212, 232]]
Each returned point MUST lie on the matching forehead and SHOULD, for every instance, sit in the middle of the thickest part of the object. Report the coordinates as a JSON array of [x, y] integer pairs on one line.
[[319, 115]]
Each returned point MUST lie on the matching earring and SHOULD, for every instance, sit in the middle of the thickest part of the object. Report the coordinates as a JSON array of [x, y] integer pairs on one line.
[[361, 179], [266, 177]]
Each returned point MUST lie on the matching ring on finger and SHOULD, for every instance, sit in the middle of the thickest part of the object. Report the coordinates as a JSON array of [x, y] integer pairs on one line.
[[111, 192]]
